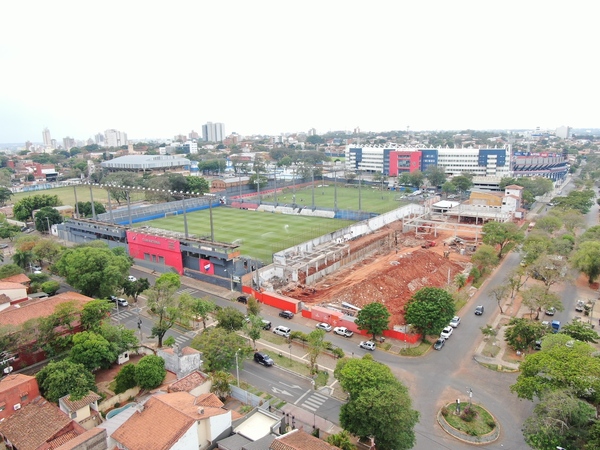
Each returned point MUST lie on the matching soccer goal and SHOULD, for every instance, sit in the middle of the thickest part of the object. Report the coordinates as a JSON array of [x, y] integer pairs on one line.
[[172, 213]]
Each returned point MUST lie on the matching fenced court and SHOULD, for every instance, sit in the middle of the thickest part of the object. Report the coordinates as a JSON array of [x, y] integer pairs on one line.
[[260, 234], [373, 199]]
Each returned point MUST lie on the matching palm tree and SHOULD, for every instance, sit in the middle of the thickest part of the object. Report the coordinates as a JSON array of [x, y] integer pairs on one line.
[[341, 440], [23, 259]]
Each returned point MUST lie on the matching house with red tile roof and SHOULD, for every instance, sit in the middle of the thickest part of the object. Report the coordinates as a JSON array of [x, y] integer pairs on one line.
[[16, 391], [193, 422], [17, 315], [195, 383], [40, 425], [84, 411], [300, 440], [15, 291]]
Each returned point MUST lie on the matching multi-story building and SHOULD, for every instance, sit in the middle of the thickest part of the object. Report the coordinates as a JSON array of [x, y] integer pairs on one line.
[[68, 143], [213, 132], [563, 132], [115, 138], [194, 135], [190, 147], [46, 137]]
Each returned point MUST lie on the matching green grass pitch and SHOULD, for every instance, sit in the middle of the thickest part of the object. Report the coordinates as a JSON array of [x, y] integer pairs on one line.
[[260, 234]]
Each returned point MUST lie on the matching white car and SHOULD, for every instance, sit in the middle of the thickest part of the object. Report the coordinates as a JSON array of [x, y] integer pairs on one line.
[[367, 345], [455, 321], [324, 326], [343, 331], [132, 278], [446, 332]]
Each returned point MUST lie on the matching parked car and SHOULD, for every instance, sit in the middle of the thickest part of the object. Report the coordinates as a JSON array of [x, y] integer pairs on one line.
[[324, 326], [118, 300], [266, 324], [551, 311], [286, 314], [132, 278], [479, 310], [446, 332], [3, 246], [263, 358], [455, 321], [36, 268], [367, 345], [579, 307], [439, 343], [282, 331], [343, 331], [242, 299]]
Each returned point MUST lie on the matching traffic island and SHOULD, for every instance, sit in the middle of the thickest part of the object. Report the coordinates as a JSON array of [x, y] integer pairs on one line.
[[469, 423]]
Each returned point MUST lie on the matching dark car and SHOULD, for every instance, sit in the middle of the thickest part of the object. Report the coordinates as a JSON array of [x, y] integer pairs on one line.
[[286, 314], [242, 299], [266, 324], [439, 343], [263, 358], [479, 310]]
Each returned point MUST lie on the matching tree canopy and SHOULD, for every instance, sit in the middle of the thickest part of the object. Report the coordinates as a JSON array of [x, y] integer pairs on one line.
[[373, 318], [429, 310], [587, 259], [92, 350], [23, 209], [150, 372], [95, 271], [501, 234], [60, 378], [164, 304], [219, 346]]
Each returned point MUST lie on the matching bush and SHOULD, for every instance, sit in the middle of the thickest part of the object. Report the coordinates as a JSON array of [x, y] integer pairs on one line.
[[125, 379], [338, 352], [445, 411], [468, 414], [299, 335], [475, 274]]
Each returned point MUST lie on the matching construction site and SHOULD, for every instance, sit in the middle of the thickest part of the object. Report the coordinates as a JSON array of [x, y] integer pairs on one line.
[[389, 266]]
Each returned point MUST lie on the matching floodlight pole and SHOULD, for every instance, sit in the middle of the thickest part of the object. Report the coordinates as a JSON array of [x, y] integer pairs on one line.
[[92, 203], [76, 202], [335, 191], [313, 187], [212, 228], [110, 211], [129, 207], [185, 224]]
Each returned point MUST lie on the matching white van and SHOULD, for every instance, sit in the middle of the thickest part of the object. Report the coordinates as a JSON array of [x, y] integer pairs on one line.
[[282, 331]]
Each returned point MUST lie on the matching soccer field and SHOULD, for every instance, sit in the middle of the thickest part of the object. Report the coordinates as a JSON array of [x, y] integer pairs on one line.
[[260, 234], [372, 200]]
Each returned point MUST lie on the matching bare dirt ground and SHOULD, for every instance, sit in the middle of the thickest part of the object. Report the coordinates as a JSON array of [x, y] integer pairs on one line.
[[390, 275]]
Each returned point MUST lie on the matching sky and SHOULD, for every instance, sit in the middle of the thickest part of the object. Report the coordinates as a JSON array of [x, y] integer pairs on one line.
[[155, 69]]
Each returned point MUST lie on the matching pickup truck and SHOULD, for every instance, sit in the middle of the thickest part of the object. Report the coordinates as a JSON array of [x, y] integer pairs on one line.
[[428, 244]]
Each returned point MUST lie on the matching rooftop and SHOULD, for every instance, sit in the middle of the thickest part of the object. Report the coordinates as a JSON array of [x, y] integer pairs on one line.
[[36, 308], [300, 440]]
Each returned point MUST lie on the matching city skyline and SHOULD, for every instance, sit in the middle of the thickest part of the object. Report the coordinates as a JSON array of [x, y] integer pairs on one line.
[[272, 68]]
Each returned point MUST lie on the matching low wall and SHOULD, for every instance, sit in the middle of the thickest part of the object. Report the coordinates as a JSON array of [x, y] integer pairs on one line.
[[121, 398], [247, 397], [273, 299]]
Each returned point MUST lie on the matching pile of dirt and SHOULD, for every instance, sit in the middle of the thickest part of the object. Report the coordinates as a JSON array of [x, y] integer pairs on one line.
[[390, 279]]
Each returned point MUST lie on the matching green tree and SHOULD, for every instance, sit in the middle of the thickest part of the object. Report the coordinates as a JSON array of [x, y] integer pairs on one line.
[[96, 272], [92, 350], [197, 184], [485, 257], [436, 175], [23, 259], [56, 330], [429, 310], [587, 259], [46, 217], [125, 379], [50, 287], [571, 219], [118, 180], [5, 195], [163, 304], [121, 339], [501, 234], [47, 250], [135, 288], [150, 372], [94, 313], [9, 270], [60, 378], [316, 345], [23, 209], [85, 208], [230, 319], [341, 440], [538, 298], [383, 412], [549, 224], [416, 178], [581, 331], [356, 375], [549, 269], [499, 293], [521, 334], [218, 347], [449, 188], [253, 306], [197, 308], [373, 318], [560, 366], [221, 384], [462, 182], [591, 234], [559, 420], [253, 328], [8, 231]]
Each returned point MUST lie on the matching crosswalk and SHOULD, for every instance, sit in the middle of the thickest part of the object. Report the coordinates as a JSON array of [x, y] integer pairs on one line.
[[314, 401], [123, 314], [186, 291]]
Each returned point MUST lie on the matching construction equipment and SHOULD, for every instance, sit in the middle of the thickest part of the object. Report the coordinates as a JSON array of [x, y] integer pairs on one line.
[[428, 244]]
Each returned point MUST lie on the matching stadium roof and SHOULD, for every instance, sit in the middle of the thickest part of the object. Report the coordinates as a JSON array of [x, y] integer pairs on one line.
[[146, 162]]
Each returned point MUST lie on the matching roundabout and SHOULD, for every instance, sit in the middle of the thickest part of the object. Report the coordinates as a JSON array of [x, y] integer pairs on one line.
[[469, 423]]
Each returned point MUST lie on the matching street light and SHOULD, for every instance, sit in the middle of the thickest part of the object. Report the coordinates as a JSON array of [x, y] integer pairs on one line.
[[212, 229], [237, 368]]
